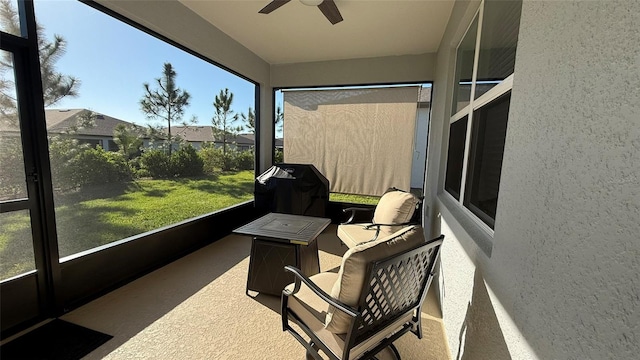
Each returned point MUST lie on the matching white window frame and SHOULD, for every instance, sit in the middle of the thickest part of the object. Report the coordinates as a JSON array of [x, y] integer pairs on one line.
[[494, 93]]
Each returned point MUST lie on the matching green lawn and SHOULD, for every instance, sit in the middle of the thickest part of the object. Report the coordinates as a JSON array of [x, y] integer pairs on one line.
[[103, 214], [354, 199]]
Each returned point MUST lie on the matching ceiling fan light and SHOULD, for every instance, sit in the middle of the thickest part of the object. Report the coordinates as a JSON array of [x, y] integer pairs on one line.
[[312, 2]]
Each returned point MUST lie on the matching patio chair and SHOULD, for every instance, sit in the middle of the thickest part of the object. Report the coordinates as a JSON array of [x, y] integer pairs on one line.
[[374, 299], [395, 210]]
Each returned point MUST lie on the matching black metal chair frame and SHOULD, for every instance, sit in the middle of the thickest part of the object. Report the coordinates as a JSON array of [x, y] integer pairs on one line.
[[414, 270]]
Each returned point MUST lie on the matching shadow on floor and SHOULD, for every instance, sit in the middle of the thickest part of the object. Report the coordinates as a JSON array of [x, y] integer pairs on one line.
[[131, 308]]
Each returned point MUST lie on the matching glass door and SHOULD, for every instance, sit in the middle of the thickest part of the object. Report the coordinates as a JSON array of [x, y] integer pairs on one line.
[[25, 266]]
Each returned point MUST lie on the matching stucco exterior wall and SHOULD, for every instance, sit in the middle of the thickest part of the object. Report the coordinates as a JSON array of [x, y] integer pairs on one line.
[[561, 279]]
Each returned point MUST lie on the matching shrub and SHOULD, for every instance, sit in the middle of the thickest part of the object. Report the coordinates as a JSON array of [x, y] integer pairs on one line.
[[63, 152], [229, 161], [278, 156], [182, 162], [215, 160], [142, 173], [212, 160], [12, 172], [186, 162], [156, 163], [245, 160], [97, 166]]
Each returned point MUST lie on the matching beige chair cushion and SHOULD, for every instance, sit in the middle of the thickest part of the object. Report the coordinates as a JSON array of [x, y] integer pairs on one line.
[[351, 277], [312, 311], [394, 207], [354, 234]]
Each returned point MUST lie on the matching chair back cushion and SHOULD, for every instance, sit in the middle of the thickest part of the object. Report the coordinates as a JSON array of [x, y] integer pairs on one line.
[[394, 207], [353, 270]]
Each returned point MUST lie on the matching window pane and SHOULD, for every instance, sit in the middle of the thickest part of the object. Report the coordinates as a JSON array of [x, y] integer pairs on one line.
[[499, 37], [464, 68], [12, 176], [455, 157], [16, 244], [128, 153], [9, 17], [485, 158]]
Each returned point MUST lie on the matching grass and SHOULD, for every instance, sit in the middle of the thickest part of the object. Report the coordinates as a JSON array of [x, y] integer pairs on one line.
[[354, 199], [103, 214]]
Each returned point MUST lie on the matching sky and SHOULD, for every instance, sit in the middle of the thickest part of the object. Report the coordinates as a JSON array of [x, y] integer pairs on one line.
[[112, 60]]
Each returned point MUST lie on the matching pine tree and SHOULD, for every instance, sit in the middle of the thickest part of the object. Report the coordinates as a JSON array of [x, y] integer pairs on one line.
[[250, 119], [223, 120], [55, 85], [167, 102]]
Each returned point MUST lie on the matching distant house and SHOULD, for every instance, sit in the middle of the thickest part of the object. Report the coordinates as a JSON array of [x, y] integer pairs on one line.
[[198, 135], [247, 141], [61, 121]]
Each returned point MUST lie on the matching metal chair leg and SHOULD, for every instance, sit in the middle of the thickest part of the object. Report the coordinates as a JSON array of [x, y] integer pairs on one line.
[[311, 356], [395, 352]]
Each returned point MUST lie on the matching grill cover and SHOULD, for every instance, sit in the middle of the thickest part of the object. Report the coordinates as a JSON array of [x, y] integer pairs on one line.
[[298, 189]]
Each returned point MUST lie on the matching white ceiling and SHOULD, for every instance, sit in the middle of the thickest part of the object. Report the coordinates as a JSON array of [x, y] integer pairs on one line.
[[299, 33]]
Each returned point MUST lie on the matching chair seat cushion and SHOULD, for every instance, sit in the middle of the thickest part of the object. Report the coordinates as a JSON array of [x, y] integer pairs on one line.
[[354, 234], [311, 310], [353, 270]]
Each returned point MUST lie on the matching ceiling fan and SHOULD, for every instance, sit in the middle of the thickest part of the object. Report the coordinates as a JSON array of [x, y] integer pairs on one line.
[[328, 8]]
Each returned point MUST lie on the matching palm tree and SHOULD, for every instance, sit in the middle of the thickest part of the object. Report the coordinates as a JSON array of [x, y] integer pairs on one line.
[[127, 139]]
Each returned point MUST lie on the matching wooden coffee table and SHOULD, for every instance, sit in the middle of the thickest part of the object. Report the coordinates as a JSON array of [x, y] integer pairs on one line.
[[279, 240]]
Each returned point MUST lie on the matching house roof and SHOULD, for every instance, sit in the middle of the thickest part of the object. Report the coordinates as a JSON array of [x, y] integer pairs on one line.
[[205, 133], [61, 120], [193, 133]]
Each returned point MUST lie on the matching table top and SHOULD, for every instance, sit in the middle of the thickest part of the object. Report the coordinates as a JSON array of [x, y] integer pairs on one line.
[[292, 228]]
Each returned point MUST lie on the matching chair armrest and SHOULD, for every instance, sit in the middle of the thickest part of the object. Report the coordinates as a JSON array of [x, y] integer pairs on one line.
[[378, 227], [369, 226], [301, 278], [354, 210]]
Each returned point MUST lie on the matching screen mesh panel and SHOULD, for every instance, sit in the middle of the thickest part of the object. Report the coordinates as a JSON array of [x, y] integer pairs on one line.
[[361, 140]]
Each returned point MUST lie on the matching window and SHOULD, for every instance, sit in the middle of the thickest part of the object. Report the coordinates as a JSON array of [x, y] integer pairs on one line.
[[464, 68], [485, 158], [456, 157], [484, 78], [122, 165]]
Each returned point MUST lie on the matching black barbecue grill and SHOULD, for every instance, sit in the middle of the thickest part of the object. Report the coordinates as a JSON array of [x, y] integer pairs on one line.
[[298, 189]]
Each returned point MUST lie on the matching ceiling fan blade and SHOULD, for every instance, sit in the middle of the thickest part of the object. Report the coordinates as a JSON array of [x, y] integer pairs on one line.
[[330, 11], [273, 6]]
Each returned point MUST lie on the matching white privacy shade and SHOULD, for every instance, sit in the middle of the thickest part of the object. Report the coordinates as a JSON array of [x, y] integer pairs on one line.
[[361, 140]]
